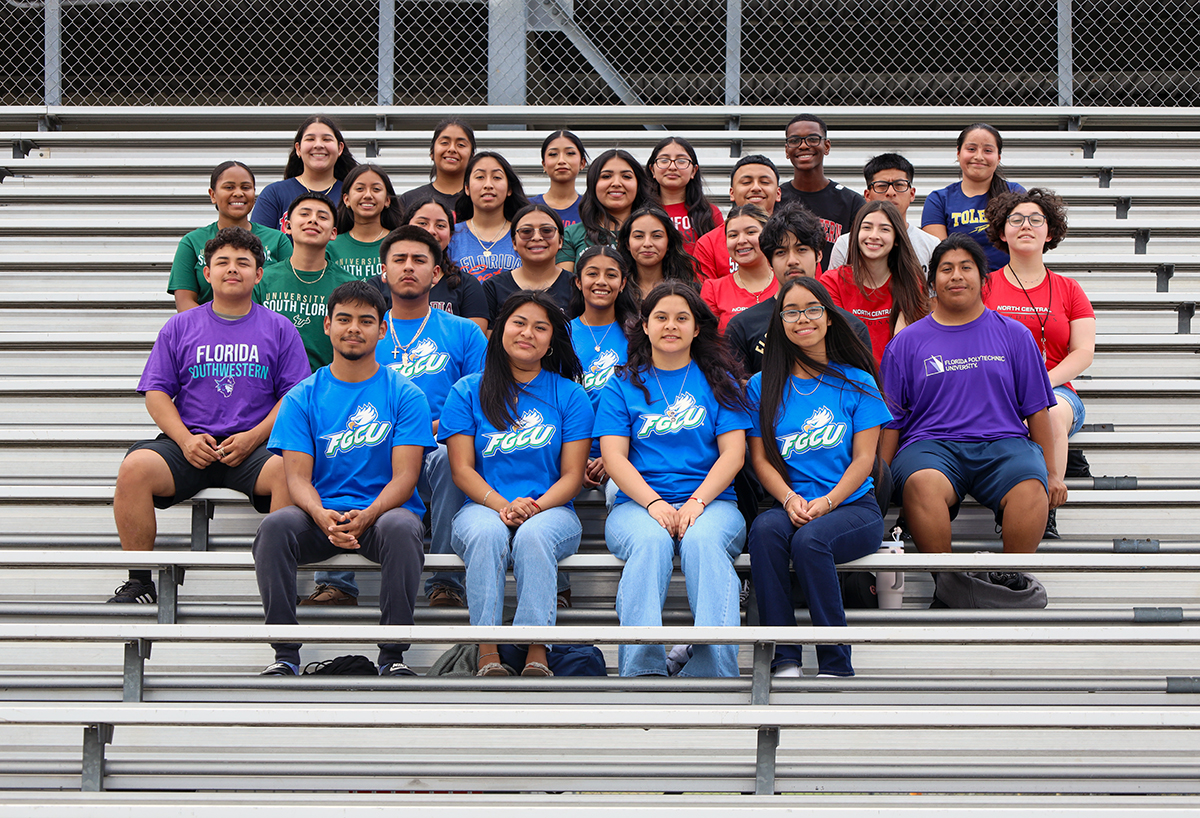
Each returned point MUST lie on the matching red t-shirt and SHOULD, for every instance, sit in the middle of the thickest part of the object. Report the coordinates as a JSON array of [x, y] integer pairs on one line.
[[683, 223], [874, 310], [1058, 300], [712, 253], [726, 299]]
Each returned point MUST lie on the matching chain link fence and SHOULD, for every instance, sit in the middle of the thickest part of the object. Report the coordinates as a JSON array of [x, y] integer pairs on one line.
[[592, 52]]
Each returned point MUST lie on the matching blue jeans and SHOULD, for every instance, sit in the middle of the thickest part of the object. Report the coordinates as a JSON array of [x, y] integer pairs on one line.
[[706, 552], [846, 533], [1078, 413], [443, 499], [533, 549]]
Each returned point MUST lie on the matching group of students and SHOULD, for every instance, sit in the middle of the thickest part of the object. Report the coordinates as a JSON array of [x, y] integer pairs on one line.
[[616, 342]]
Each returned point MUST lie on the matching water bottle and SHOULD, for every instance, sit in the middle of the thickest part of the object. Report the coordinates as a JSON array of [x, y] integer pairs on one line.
[[889, 585]]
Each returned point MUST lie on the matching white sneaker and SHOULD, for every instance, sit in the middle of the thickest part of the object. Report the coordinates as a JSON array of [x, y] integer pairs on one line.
[[788, 671]]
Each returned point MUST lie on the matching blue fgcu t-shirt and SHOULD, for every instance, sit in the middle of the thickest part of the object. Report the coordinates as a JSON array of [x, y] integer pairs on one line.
[[815, 433], [598, 364], [673, 447], [448, 348], [525, 459], [349, 429]]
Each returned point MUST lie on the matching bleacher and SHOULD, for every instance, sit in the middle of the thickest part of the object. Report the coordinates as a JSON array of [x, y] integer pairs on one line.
[[1091, 704]]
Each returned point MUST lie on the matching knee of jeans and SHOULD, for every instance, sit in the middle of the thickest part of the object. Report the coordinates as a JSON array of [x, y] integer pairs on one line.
[[402, 528], [272, 531]]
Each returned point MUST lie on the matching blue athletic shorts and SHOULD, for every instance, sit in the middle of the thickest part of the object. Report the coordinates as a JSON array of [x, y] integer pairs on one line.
[[987, 470]]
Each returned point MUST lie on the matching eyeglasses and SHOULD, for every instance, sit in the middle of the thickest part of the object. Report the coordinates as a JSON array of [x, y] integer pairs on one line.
[[1018, 219], [681, 162], [813, 140], [545, 231], [811, 313], [881, 186]]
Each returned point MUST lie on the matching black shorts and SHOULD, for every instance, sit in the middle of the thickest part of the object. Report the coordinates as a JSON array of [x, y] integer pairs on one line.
[[190, 481]]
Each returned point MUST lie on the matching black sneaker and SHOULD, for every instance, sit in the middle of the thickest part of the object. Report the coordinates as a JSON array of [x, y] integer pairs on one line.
[[1051, 527], [134, 590], [281, 669], [396, 669]]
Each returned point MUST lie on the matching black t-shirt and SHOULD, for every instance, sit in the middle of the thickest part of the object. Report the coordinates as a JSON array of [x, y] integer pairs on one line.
[[836, 206], [499, 287], [407, 198], [747, 333], [466, 300]]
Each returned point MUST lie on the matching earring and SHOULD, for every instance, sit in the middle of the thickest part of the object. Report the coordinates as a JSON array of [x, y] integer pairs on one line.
[[549, 352]]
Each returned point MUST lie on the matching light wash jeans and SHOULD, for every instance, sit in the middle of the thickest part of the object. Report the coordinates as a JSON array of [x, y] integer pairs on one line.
[[443, 499], [706, 552], [533, 549]]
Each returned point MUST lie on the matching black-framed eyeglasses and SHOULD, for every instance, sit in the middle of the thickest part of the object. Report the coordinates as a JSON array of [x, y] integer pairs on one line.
[[813, 140], [545, 231], [681, 162], [901, 185], [811, 313], [1018, 219]]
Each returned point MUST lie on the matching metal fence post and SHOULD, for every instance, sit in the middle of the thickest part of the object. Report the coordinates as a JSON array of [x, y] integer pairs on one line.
[[506, 52], [1066, 55], [387, 51], [52, 65], [733, 52]]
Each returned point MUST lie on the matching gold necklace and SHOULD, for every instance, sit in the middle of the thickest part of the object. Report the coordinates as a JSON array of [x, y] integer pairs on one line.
[[378, 236], [602, 337], [487, 248], [741, 282], [670, 404], [402, 351], [315, 280], [324, 192]]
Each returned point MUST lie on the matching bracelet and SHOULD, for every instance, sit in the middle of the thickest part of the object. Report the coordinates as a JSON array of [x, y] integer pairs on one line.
[[829, 501], [790, 495], [534, 503], [655, 500], [489, 494], [493, 653], [698, 500]]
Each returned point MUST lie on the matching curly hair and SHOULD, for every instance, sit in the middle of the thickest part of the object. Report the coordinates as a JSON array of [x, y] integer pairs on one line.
[[1049, 202]]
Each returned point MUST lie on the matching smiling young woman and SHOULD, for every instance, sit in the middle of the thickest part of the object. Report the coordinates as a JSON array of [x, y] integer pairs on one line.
[[318, 162]]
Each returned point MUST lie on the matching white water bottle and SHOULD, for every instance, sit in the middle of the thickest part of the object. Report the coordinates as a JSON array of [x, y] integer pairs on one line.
[[889, 585]]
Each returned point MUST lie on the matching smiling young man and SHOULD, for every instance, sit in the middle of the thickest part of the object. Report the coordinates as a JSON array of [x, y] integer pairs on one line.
[[755, 180], [213, 384], [352, 436], [970, 396], [889, 178]]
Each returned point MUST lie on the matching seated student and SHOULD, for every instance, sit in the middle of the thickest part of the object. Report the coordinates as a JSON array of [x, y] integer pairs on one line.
[[518, 435], [754, 280], [889, 179], [537, 236], [652, 249], [806, 146], [791, 241], [754, 180], [451, 148], [318, 163], [813, 448], [961, 207], [672, 427], [883, 283], [616, 186], [231, 190], [368, 211], [482, 243], [563, 158], [352, 437], [212, 384], [1053, 307], [970, 397], [452, 292], [677, 185]]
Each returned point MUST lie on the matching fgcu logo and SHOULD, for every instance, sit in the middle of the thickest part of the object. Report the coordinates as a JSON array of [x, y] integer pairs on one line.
[[362, 429], [600, 370], [529, 431], [818, 432], [682, 414], [422, 359]]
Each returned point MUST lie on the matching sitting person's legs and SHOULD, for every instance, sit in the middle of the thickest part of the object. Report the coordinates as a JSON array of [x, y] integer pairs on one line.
[[770, 567], [443, 499], [537, 546], [396, 543], [481, 538], [706, 554], [648, 551]]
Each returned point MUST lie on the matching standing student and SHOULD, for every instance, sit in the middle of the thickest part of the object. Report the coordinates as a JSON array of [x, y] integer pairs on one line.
[[352, 437], [231, 190], [537, 237], [754, 279], [961, 207], [813, 443], [616, 186], [482, 242], [369, 210], [652, 249], [451, 148], [518, 436], [318, 163], [806, 145], [677, 184], [754, 180], [563, 158], [882, 283], [889, 179], [672, 427]]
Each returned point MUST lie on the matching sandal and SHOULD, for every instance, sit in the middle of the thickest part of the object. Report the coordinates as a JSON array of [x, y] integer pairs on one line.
[[492, 669], [536, 669]]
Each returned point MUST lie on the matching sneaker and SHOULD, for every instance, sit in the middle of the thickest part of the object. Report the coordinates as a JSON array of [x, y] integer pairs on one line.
[[135, 590], [744, 595], [396, 669], [281, 669], [1051, 527], [564, 598], [443, 596], [328, 595]]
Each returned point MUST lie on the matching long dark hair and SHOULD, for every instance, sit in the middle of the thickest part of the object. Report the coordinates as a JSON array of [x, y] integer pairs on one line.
[[598, 225], [908, 287], [626, 307], [514, 201], [676, 264], [699, 208], [780, 355], [999, 183], [295, 165], [450, 272], [709, 351], [437, 132], [498, 389], [389, 217]]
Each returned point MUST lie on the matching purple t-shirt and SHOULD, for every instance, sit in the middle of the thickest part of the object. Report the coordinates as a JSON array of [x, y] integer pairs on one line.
[[225, 376], [973, 382]]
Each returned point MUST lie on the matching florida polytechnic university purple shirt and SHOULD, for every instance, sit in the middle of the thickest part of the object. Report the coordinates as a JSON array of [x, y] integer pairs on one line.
[[973, 382]]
